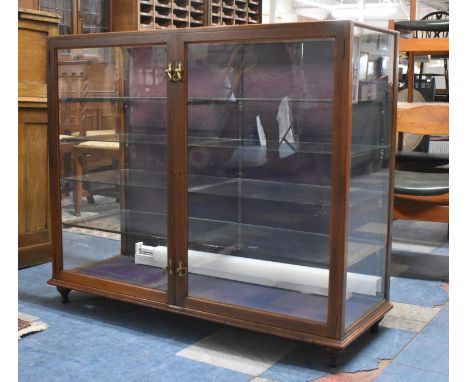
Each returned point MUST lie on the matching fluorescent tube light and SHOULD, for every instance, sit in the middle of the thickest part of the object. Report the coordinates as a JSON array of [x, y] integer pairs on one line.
[[299, 278]]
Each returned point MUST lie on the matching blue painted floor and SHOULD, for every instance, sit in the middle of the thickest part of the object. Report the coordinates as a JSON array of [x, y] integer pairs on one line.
[[97, 339]]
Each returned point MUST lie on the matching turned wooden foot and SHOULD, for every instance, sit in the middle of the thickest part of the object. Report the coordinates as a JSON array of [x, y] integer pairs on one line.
[[375, 328], [64, 292], [333, 357]]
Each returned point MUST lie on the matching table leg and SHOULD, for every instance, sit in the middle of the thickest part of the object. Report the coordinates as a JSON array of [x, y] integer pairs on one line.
[[78, 185]]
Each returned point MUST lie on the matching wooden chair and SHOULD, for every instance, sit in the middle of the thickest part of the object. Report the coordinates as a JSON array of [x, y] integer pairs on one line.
[[422, 195], [85, 179]]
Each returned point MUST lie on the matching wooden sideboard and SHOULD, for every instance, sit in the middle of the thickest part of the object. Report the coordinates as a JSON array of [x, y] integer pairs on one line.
[[34, 245]]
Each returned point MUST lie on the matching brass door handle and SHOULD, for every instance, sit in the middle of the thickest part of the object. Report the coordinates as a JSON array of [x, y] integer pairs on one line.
[[178, 72], [174, 71], [181, 270], [169, 71]]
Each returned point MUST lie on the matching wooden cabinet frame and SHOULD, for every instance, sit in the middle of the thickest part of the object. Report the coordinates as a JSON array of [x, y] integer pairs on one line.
[[331, 334]]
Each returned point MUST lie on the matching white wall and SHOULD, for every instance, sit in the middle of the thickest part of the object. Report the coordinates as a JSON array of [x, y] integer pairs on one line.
[[290, 11]]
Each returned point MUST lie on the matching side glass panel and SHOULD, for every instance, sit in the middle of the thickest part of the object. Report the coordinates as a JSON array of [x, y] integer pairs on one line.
[[373, 63], [260, 132], [112, 121]]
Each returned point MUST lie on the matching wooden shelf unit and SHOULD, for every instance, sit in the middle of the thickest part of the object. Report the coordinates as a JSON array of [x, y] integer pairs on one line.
[[163, 14], [34, 242], [235, 12]]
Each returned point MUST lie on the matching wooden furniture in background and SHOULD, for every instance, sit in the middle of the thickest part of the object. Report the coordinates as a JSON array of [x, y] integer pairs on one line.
[[128, 15], [422, 46], [93, 16], [34, 246], [422, 195], [84, 76], [33, 28], [80, 16], [422, 43], [29, 4], [235, 12], [88, 151]]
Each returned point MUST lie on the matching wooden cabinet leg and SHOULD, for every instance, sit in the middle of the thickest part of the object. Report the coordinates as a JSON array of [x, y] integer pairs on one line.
[[64, 292], [375, 328], [333, 356]]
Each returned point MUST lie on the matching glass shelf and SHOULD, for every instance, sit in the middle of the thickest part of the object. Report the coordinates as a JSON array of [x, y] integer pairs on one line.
[[111, 99], [203, 100], [146, 225], [303, 147], [258, 242], [248, 148], [281, 192], [194, 100]]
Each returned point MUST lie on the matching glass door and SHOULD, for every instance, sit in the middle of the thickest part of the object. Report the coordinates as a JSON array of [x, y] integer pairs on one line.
[[80, 16], [259, 136], [113, 166], [64, 9], [94, 16]]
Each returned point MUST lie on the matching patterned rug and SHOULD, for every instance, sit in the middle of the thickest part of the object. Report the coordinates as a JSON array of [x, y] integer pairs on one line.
[[29, 324]]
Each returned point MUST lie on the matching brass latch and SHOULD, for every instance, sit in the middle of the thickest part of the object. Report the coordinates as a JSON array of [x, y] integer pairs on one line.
[[168, 268], [169, 71], [174, 71], [181, 270], [178, 72]]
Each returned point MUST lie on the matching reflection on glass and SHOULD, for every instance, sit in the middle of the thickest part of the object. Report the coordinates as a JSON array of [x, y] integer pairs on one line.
[[63, 8], [95, 16], [112, 120], [371, 126], [260, 123]]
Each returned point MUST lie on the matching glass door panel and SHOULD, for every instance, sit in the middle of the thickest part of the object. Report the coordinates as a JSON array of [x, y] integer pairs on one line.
[[260, 118], [95, 16], [113, 166]]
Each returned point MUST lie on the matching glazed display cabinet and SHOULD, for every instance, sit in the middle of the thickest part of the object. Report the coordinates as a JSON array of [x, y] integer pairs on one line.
[[242, 175]]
